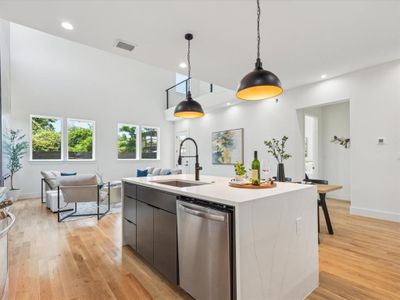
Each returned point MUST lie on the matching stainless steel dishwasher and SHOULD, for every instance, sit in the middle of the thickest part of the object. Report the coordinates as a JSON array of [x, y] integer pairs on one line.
[[205, 249]]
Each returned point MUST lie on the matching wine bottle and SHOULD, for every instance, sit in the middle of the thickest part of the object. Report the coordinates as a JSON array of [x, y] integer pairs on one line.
[[255, 170]]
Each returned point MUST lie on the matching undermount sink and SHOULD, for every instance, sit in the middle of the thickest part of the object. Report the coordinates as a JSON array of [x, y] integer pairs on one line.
[[180, 183]]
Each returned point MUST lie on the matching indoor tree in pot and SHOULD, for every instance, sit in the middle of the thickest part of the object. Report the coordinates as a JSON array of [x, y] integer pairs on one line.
[[15, 147], [276, 147]]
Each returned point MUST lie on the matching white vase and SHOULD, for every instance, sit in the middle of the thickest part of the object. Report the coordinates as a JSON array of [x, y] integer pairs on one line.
[[13, 194]]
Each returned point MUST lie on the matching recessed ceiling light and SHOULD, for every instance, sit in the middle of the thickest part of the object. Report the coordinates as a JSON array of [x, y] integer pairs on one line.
[[323, 76], [67, 26], [182, 65], [227, 104]]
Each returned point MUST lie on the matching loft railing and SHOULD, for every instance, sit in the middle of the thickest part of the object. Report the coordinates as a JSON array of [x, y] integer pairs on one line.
[[177, 92]]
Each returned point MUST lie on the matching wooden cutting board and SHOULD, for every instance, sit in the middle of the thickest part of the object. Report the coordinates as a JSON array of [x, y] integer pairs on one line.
[[263, 185]]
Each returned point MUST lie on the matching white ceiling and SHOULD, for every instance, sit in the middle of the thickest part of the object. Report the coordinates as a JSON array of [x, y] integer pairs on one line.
[[300, 39]]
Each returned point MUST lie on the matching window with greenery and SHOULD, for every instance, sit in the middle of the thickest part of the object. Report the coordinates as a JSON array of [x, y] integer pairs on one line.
[[46, 138], [150, 142], [127, 141], [81, 135]]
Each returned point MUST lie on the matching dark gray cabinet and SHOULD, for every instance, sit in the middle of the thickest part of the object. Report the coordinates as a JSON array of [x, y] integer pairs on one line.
[[165, 244], [129, 233], [150, 227], [145, 231], [130, 209], [129, 215]]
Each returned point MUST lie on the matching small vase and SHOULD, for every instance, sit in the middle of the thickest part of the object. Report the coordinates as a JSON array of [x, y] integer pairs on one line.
[[280, 174]]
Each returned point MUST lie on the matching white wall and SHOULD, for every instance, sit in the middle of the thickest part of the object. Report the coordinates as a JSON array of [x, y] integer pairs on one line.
[[374, 95], [56, 77], [335, 120]]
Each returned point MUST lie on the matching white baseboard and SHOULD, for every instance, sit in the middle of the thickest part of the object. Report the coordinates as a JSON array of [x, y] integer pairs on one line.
[[373, 213], [338, 196], [29, 196]]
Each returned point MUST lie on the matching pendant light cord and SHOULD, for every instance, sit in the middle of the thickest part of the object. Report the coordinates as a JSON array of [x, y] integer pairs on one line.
[[258, 29], [189, 67]]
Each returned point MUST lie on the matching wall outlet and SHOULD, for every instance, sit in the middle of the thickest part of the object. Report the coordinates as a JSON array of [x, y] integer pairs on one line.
[[381, 140], [299, 225]]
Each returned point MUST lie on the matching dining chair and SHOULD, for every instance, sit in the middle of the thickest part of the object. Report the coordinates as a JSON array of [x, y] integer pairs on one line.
[[321, 202]]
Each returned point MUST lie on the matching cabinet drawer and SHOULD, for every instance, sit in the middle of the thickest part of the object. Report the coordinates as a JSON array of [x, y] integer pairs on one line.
[[129, 233], [157, 198], [130, 209], [130, 190]]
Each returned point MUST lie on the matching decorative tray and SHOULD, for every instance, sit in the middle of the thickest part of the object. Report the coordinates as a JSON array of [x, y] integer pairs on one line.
[[248, 185]]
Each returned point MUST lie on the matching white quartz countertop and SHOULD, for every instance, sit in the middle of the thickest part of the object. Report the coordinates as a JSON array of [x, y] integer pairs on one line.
[[218, 189]]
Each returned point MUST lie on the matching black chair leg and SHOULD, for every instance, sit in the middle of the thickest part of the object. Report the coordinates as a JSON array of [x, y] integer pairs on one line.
[[326, 213], [41, 189], [98, 203], [319, 226]]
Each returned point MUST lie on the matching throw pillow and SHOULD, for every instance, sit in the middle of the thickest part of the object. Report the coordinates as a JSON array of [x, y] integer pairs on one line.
[[165, 171], [68, 174], [156, 172], [141, 173]]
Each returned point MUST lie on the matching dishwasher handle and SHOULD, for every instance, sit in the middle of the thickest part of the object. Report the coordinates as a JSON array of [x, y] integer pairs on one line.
[[203, 214]]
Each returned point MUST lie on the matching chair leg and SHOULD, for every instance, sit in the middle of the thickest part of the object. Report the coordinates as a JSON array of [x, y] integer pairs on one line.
[[98, 203], [326, 213], [319, 226], [109, 196], [58, 204], [41, 189]]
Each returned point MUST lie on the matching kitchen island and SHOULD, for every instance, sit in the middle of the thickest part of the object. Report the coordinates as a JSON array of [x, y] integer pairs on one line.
[[274, 238]]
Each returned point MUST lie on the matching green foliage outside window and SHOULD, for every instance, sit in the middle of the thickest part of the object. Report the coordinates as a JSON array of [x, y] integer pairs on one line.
[[126, 142], [46, 138], [149, 143], [80, 140]]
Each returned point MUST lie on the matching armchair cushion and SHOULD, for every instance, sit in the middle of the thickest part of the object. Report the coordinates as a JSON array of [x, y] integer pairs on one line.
[[79, 188]]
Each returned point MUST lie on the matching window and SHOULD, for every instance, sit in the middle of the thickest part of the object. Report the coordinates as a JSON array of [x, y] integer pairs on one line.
[[127, 141], [46, 138], [150, 142], [81, 136], [181, 88]]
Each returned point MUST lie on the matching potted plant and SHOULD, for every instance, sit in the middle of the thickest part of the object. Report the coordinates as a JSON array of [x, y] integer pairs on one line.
[[240, 171], [15, 147], [276, 147]]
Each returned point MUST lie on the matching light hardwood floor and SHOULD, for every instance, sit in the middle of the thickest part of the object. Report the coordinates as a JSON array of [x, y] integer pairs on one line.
[[83, 259]]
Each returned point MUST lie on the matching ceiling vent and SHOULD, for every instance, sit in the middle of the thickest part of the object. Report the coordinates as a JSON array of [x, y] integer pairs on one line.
[[124, 45]]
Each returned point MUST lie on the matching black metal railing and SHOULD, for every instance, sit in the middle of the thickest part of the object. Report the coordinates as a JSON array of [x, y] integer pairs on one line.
[[180, 96]]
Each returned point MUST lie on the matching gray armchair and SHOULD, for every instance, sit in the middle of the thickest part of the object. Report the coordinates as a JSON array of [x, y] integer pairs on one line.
[[82, 188]]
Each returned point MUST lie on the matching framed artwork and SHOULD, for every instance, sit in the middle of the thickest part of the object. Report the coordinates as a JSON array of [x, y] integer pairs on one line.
[[227, 146]]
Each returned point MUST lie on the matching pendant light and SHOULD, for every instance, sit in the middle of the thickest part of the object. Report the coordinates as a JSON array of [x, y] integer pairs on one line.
[[189, 108], [259, 84]]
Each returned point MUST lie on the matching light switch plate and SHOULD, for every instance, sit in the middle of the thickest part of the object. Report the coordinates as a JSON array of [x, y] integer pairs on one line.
[[381, 140]]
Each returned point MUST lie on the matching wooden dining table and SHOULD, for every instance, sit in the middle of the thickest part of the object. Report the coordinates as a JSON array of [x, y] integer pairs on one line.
[[323, 189]]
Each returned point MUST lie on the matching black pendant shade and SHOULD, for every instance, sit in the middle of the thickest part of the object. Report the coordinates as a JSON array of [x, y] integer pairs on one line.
[[189, 108], [259, 84]]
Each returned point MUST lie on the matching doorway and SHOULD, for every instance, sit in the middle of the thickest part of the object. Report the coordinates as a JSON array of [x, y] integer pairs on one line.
[[327, 145], [311, 145]]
